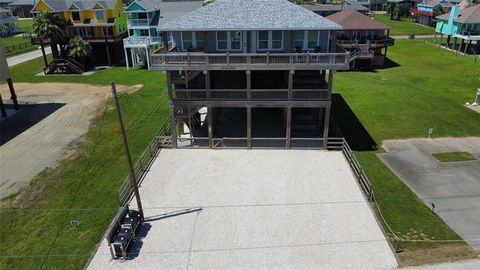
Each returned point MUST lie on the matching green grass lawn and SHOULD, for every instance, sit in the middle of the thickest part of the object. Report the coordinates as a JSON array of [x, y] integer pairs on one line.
[[453, 156], [404, 101], [17, 45], [25, 25], [404, 26], [87, 181], [19, 42], [422, 92]]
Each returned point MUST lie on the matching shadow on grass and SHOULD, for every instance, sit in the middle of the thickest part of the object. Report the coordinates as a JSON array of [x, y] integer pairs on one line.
[[25, 118], [350, 126]]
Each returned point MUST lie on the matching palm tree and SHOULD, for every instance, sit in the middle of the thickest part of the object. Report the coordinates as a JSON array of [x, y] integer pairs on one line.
[[79, 49], [50, 26]]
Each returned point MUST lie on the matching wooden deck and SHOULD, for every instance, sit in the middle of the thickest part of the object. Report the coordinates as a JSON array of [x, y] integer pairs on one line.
[[250, 61]]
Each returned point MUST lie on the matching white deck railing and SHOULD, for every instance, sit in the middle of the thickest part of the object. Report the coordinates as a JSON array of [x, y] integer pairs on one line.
[[247, 60]]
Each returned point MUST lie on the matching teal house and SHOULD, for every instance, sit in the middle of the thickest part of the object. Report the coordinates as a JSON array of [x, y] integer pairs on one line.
[[463, 24], [143, 18]]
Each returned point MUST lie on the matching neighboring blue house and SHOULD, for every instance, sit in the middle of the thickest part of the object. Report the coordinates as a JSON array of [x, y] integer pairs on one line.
[[461, 24], [426, 11], [143, 18]]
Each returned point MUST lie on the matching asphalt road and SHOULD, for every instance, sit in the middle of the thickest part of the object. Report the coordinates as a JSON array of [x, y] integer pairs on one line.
[[15, 60], [454, 187]]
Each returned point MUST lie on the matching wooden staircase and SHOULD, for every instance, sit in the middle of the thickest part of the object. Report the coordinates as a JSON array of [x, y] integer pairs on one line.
[[306, 123], [65, 66]]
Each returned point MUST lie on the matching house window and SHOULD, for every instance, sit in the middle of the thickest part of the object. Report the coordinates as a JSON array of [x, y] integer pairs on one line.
[[131, 33], [192, 40], [100, 15], [75, 16], [119, 13], [107, 31], [312, 39], [298, 39], [144, 32], [229, 40], [270, 40], [187, 38], [306, 40]]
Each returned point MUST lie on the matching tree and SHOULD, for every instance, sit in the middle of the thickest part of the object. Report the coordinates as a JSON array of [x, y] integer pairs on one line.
[[79, 49], [50, 26]]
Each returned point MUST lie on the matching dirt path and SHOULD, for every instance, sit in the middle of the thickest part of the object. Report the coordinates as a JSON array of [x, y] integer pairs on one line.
[[53, 115]]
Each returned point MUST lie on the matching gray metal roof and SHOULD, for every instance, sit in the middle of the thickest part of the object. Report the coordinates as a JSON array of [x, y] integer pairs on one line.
[[170, 11], [64, 5], [226, 15], [21, 2]]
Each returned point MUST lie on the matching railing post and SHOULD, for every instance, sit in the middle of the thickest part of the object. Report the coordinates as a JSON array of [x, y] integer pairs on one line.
[[228, 58], [188, 58], [308, 58], [268, 58]]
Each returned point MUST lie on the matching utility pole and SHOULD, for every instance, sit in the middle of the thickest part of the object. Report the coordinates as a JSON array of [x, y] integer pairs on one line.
[[133, 178]]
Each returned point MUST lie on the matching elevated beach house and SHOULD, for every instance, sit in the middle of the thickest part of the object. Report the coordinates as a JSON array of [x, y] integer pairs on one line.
[[463, 24], [143, 18], [365, 37], [426, 11], [251, 73], [102, 23]]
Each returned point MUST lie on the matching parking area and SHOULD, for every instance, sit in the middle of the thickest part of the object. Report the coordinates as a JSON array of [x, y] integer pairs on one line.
[[454, 187], [260, 209]]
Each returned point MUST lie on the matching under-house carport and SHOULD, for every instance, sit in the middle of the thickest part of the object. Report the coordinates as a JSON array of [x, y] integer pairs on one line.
[[253, 209]]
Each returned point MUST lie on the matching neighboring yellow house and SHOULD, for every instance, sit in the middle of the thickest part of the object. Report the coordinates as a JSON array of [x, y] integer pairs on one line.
[[102, 23]]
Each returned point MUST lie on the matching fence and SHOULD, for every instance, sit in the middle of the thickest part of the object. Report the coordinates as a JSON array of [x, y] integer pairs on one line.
[[18, 46], [341, 144], [144, 162]]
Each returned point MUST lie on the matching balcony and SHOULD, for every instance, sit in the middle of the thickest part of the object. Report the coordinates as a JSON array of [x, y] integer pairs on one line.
[[138, 22], [249, 95], [141, 42], [250, 61], [374, 42], [416, 11], [468, 35]]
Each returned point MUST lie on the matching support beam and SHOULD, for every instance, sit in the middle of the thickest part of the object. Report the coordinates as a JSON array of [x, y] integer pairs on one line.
[[466, 46], [148, 57], [326, 125], [169, 85], [206, 73], [330, 84], [440, 43], [126, 57], [12, 94], [210, 127], [2, 107], [249, 84], [289, 127], [249, 127], [174, 126], [108, 52], [290, 84]]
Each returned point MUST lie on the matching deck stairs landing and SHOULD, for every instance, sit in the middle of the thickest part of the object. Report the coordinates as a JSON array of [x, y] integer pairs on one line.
[[66, 66]]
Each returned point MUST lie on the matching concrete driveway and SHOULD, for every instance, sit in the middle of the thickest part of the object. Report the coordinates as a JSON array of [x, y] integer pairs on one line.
[[260, 209], [453, 187]]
